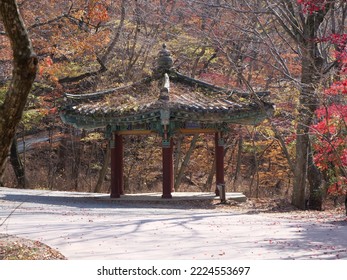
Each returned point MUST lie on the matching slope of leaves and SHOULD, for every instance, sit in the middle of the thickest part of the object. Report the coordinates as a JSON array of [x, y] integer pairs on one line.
[[16, 248]]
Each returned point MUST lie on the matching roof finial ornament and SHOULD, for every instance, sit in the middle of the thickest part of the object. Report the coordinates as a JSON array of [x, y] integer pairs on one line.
[[164, 61]]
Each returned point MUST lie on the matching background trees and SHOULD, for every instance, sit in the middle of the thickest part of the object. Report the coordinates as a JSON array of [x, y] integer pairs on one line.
[[294, 48], [309, 23], [292, 38]]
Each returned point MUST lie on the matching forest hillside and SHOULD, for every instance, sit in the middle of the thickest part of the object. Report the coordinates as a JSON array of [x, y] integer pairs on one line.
[[294, 49]]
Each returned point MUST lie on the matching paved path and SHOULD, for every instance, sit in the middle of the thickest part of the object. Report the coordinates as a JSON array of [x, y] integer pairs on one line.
[[85, 226]]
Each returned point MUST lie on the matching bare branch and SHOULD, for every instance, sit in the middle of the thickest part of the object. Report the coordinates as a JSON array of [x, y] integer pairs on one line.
[[295, 32], [38, 24], [278, 136], [84, 75], [111, 46]]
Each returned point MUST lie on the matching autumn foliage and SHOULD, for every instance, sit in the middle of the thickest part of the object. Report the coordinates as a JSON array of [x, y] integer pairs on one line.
[[330, 131], [311, 6], [86, 46]]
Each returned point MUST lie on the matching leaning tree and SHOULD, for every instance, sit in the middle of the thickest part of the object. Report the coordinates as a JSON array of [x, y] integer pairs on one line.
[[25, 65]]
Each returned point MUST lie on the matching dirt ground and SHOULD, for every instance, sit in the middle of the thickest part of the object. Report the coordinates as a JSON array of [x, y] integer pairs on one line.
[[15, 248]]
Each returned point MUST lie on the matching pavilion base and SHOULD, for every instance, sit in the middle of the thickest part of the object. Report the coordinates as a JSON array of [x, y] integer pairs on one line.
[[180, 196]]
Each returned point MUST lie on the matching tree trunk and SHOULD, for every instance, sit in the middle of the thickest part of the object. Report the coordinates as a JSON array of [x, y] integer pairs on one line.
[[303, 28], [103, 170], [18, 166], [23, 75], [178, 153], [314, 177], [209, 181], [62, 155], [299, 187], [185, 162], [238, 162], [310, 76], [76, 164]]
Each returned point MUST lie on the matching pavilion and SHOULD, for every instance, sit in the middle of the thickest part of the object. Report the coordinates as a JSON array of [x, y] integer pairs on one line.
[[165, 103]]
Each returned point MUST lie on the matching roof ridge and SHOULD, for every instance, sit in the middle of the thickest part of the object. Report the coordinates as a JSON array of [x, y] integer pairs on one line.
[[101, 93]]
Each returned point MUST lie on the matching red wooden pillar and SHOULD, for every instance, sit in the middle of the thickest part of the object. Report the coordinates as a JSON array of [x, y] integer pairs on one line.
[[117, 183], [168, 171], [219, 154]]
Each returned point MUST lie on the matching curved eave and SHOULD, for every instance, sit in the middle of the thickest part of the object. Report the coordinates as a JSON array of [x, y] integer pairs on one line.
[[91, 121], [81, 122]]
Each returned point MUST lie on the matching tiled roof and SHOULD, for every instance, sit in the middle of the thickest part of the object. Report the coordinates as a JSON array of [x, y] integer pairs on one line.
[[185, 98]]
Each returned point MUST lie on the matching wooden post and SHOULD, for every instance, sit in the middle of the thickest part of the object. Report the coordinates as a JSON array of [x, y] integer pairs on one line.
[[219, 154], [168, 171], [117, 183]]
